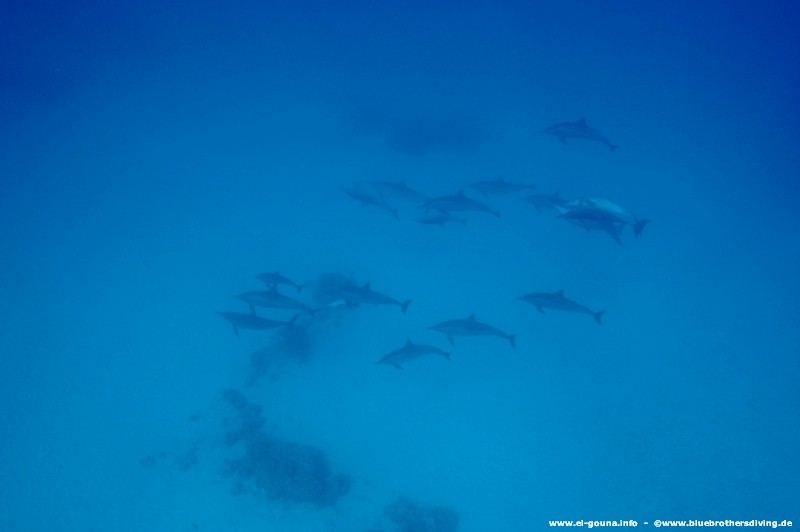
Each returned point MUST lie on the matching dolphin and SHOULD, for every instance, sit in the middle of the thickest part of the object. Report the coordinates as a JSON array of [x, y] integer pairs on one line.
[[557, 301], [273, 299], [409, 352], [399, 190], [498, 186], [596, 219], [368, 196], [440, 219], [613, 209], [458, 202], [545, 201], [578, 130], [275, 279], [240, 320], [471, 327], [357, 295]]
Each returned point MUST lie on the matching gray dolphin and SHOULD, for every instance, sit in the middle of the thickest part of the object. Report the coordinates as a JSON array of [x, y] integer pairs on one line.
[[593, 219], [240, 320], [273, 299], [369, 196], [471, 327], [545, 201], [275, 278], [358, 295], [498, 186], [557, 301], [458, 202], [399, 190], [409, 352], [612, 209], [578, 130]]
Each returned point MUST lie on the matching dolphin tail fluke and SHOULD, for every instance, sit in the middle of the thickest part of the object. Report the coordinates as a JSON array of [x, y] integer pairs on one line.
[[639, 227], [512, 339], [404, 305], [598, 316]]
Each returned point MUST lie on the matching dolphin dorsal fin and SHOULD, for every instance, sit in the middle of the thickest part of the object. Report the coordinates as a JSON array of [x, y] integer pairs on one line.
[[559, 293], [471, 317], [409, 343], [582, 121]]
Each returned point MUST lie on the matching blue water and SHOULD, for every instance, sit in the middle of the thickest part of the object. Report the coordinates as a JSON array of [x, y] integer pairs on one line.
[[154, 159]]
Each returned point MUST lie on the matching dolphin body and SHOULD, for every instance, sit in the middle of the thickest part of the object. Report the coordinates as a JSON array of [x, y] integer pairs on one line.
[[578, 130], [499, 186], [368, 196], [596, 219], [440, 219], [557, 301], [612, 209], [358, 295], [399, 190], [409, 352], [545, 201], [471, 327], [458, 202], [240, 320], [273, 299], [273, 279]]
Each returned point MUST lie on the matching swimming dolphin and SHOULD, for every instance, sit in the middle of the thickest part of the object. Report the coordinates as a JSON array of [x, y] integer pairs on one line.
[[613, 209], [273, 299], [275, 278], [458, 202], [471, 327], [498, 186], [440, 219], [240, 320], [409, 352], [578, 130], [596, 219], [399, 190], [545, 201], [358, 295], [557, 301], [369, 196]]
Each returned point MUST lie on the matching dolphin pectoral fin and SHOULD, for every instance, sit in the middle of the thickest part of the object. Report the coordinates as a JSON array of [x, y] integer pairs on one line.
[[252, 309], [450, 339], [446, 355], [598, 316], [512, 339], [398, 366], [562, 139], [236, 330], [540, 309], [300, 288], [639, 227], [612, 147], [404, 305]]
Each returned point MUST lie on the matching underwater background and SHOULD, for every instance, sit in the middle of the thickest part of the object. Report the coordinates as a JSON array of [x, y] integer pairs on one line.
[[155, 158]]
